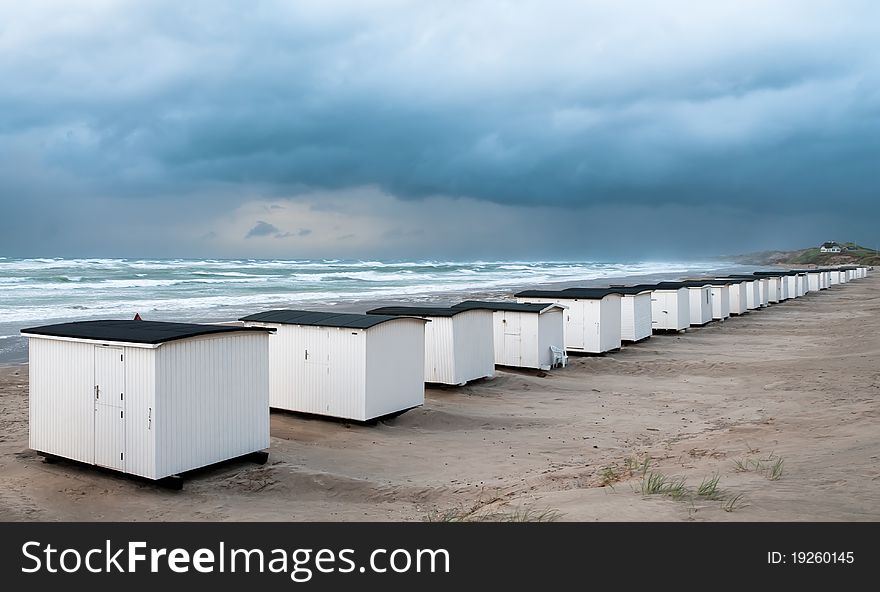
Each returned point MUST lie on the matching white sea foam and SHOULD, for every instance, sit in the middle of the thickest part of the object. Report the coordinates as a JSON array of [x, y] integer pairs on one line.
[[35, 291]]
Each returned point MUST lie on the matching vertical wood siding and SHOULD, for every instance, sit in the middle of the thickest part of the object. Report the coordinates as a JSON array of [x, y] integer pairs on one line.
[[212, 400], [474, 345], [61, 406], [395, 367], [551, 331]]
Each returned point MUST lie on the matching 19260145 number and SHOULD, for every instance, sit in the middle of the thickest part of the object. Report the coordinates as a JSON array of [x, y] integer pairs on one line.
[[823, 557]]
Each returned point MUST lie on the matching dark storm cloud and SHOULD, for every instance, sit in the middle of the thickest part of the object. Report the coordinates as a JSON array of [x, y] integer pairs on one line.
[[263, 229], [755, 106]]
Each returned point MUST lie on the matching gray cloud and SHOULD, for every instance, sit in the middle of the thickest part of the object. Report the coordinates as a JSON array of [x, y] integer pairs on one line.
[[752, 108], [263, 229]]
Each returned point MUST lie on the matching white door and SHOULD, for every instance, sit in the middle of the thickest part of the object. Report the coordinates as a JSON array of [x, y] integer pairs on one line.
[[109, 407], [574, 325], [512, 338], [317, 365], [592, 340]]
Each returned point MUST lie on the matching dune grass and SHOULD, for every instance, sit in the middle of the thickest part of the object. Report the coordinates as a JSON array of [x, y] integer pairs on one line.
[[771, 467]]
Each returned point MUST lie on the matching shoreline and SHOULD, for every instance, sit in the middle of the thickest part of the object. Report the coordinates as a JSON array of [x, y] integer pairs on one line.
[[15, 351], [795, 383]]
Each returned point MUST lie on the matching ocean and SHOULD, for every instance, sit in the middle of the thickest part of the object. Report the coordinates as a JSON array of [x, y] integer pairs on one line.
[[42, 291]]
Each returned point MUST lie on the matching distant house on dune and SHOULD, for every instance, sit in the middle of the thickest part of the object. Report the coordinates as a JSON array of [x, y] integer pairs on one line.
[[830, 247]]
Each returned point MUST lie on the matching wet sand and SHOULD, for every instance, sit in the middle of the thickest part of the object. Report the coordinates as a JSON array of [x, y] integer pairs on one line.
[[798, 381]]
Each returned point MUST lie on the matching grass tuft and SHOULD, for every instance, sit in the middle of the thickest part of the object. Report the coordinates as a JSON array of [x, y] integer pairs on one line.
[[770, 467], [734, 503], [475, 514], [656, 483], [709, 488]]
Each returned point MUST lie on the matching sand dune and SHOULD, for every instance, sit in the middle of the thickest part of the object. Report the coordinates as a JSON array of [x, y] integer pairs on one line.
[[798, 381]]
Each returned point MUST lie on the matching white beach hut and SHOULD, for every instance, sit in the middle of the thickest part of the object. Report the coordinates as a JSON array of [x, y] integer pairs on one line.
[[525, 334], [802, 284], [350, 366], [699, 300], [635, 313], [833, 277], [738, 297], [783, 283], [814, 281], [777, 283], [763, 293], [148, 398], [720, 293], [592, 321], [459, 343], [670, 306], [774, 288]]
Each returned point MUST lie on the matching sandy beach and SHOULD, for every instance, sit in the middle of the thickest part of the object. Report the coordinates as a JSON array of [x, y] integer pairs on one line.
[[794, 386]]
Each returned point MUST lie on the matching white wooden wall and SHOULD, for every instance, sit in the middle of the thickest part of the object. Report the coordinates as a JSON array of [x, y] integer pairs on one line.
[[720, 302], [609, 321], [738, 298], [212, 400], [474, 345], [440, 351], [670, 309], [395, 367], [700, 300], [61, 409], [551, 331]]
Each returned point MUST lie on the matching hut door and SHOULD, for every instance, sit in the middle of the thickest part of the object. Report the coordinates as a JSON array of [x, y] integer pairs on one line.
[[109, 399], [317, 364], [512, 339], [574, 325]]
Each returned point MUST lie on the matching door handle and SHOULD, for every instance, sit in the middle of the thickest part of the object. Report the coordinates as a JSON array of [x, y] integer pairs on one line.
[[97, 392], [307, 354]]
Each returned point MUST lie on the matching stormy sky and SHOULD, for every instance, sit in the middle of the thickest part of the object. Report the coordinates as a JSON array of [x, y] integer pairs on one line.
[[410, 129]]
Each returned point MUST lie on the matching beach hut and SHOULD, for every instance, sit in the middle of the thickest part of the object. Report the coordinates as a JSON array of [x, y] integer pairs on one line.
[[592, 321], [148, 398], [670, 307], [763, 294], [635, 313], [737, 295], [774, 288], [833, 277], [459, 343], [802, 285], [814, 279], [791, 285], [779, 284], [720, 295], [349, 366], [525, 334], [699, 300]]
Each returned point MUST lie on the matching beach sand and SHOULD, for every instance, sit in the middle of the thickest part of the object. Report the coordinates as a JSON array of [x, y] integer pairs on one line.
[[799, 381]]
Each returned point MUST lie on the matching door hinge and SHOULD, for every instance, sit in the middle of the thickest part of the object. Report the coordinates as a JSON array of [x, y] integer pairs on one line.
[[121, 398], [120, 357], [120, 414], [121, 456]]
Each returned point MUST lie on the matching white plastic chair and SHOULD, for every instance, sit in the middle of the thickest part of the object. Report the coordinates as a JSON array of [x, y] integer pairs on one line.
[[560, 358]]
